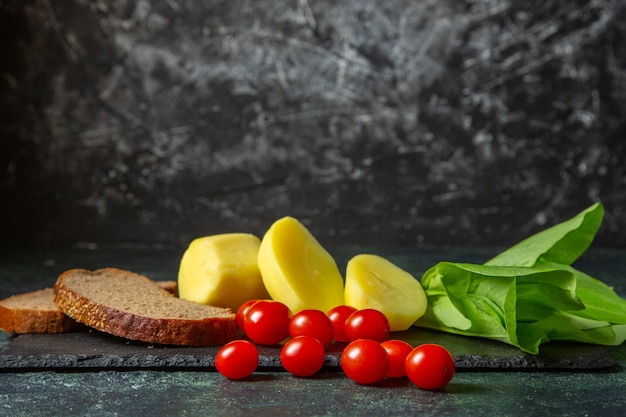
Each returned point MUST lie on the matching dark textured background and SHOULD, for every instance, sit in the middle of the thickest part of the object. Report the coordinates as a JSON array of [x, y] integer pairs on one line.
[[436, 122]]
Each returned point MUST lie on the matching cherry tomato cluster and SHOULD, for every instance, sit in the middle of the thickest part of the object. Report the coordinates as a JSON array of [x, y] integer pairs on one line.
[[369, 356], [429, 366]]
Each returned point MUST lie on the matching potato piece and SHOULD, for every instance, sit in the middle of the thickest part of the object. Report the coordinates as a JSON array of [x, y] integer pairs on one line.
[[222, 270], [374, 282], [297, 270]]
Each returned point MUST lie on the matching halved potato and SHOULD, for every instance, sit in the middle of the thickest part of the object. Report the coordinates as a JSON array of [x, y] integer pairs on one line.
[[297, 270], [374, 282], [222, 270]]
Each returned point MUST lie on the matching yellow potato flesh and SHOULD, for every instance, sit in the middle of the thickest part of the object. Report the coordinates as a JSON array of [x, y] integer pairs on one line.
[[222, 270], [297, 270], [374, 282]]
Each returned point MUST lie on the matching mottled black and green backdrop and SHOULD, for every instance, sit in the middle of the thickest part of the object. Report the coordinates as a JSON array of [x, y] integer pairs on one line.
[[396, 122]]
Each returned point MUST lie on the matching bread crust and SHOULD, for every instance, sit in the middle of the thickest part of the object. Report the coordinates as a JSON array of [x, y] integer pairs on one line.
[[114, 320], [18, 319]]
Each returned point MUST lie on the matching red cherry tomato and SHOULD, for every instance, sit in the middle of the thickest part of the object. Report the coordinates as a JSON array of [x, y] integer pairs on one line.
[[338, 316], [367, 324], [314, 323], [237, 359], [302, 356], [241, 312], [365, 361], [430, 366], [397, 350], [267, 322]]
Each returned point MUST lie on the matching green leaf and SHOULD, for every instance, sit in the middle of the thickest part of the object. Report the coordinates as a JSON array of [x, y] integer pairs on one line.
[[473, 304], [600, 301], [442, 306], [568, 327], [487, 297], [561, 244], [539, 294], [529, 294]]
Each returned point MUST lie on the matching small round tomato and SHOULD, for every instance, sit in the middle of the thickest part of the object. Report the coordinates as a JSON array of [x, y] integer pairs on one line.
[[367, 324], [365, 361], [430, 366], [314, 323], [237, 359], [241, 312], [338, 317], [397, 350], [267, 322], [302, 356]]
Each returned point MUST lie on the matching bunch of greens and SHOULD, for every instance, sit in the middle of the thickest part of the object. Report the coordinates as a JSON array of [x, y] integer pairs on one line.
[[530, 293]]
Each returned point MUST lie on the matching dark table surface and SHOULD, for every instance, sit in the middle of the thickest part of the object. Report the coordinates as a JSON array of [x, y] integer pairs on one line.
[[161, 392]]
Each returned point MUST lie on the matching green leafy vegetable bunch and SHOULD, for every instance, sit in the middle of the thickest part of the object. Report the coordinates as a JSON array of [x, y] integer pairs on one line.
[[530, 293]]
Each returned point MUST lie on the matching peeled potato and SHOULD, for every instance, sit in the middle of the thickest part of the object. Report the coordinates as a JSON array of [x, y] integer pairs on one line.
[[374, 282], [297, 270], [222, 270]]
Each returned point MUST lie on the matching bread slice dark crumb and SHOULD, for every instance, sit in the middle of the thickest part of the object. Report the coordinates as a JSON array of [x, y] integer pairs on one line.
[[132, 306], [34, 312]]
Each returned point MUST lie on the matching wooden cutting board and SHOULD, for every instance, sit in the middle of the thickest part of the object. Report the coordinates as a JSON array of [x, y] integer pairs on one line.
[[97, 351]]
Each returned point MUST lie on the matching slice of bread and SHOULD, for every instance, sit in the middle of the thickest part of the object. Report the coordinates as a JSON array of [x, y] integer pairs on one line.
[[34, 312], [129, 305], [169, 286]]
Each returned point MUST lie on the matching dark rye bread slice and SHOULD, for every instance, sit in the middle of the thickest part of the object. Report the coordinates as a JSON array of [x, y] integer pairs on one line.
[[36, 312], [129, 305]]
